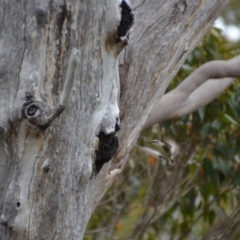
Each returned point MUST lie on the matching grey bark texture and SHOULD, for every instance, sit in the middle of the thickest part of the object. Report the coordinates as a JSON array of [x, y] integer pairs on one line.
[[48, 182]]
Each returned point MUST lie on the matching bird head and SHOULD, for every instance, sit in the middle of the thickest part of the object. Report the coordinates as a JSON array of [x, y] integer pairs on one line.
[[157, 143]]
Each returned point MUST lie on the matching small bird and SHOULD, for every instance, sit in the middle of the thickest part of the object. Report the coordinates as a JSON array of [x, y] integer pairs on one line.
[[166, 149]]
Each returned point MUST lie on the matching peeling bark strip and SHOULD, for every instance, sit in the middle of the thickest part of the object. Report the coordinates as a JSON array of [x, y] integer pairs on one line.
[[71, 75], [37, 116]]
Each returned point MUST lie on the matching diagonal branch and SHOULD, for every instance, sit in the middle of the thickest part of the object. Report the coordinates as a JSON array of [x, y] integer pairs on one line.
[[196, 91], [227, 229]]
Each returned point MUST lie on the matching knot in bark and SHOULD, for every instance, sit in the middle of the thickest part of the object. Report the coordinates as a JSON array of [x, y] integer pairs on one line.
[[38, 116]]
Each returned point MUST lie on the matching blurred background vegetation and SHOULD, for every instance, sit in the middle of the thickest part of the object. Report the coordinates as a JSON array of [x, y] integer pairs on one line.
[[199, 194]]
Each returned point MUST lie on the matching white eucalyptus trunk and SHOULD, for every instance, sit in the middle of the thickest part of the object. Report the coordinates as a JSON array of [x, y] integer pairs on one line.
[[49, 184]]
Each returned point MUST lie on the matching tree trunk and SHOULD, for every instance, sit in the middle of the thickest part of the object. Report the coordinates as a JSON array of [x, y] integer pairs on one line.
[[48, 175]]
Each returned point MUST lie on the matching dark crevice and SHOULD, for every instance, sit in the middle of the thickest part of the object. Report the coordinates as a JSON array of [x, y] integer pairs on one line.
[[107, 148], [18, 204], [127, 20]]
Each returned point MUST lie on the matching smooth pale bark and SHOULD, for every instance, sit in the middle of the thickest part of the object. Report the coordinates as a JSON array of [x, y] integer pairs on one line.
[[47, 182], [196, 91]]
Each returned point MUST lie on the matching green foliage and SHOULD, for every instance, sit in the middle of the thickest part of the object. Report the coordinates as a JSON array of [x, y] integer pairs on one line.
[[153, 201], [231, 14]]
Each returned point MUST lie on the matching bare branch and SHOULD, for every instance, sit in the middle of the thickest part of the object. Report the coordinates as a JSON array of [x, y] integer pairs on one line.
[[196, 91], [227, 229]]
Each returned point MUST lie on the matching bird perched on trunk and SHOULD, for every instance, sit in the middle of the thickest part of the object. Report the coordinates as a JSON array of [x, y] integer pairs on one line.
[[166, 149]]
